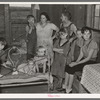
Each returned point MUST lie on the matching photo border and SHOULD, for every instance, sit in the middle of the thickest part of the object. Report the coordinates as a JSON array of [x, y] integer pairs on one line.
[[50, 96]]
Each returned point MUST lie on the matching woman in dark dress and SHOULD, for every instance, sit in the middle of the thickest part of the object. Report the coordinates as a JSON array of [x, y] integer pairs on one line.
[[31, 37]]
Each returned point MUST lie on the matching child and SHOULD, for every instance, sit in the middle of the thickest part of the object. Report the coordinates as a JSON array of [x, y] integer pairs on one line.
[[77, 44], [41, 59], [61, 49], [31, 37], [27, 68], [33, 64], [3, 55]]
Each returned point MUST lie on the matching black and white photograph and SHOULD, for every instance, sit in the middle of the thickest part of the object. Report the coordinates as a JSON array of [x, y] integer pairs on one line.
[[50, 48]]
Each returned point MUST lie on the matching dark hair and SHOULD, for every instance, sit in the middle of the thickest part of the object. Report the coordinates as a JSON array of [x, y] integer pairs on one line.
[[30, 16], [86, 29], [41, 47], [66, 13], [62, 30], [78, 29], [3, 41], [46, 15]]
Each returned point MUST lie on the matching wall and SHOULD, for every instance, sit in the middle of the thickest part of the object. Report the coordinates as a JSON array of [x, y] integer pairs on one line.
[[78, 13], [2, 21], [13, 20], [18, 21], [54, 12]]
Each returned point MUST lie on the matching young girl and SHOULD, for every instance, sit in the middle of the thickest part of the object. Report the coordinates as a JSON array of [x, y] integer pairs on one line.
[[61, 49], [41, 59], [31, 37], [88, 55]]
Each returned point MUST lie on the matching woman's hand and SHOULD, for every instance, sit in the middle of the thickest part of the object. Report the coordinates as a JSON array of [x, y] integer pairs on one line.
[[58, 50], [73, 64]]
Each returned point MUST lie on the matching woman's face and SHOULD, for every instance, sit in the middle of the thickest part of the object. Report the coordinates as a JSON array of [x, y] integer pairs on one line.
[[86, 35], [79, 34], [64, 18], [43, 19]]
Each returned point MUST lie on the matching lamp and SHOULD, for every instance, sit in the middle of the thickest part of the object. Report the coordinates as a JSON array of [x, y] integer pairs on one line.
[[36, 6]]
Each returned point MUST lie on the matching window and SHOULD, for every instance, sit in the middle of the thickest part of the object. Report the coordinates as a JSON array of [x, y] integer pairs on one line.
[[96, 24]]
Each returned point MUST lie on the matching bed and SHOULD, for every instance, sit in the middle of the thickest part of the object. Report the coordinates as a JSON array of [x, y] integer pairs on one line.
[[23, 79]]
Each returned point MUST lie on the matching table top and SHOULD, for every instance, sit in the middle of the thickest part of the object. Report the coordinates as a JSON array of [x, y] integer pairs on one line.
[[91, 78]]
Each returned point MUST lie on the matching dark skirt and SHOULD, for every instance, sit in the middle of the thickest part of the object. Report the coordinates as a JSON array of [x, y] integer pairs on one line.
[[72, 70]]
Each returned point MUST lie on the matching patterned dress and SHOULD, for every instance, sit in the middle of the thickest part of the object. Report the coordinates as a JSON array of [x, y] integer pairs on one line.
[[44, 37]]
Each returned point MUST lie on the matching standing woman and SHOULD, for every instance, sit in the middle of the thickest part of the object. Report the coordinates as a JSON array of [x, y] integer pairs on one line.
[[88, 55], [44, 33], [71, 29], [68, 24], [31, 37]]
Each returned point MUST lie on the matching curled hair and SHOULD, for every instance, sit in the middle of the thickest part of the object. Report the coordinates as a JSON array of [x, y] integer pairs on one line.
[[46, 15], [86, 29], [66, 13], [78, 29], [63, 30]]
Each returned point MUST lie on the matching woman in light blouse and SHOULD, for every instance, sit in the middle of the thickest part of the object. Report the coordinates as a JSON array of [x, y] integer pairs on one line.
[[88, 55]]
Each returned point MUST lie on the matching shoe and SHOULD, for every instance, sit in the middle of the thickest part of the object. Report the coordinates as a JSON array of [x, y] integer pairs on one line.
[[68, 91], [60, 89], [64, 86]]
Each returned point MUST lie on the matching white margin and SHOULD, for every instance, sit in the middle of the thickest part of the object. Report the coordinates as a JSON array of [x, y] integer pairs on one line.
[[34, 95]]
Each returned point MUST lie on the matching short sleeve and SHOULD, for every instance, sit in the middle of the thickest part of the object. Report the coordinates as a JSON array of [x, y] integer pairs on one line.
[[93, 45], [73, 28]]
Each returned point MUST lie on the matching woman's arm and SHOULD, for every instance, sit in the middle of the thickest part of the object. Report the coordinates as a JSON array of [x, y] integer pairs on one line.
[[55, 28], [82, 61], [88, 58], [58, 50], [80, 56], [28, 30]]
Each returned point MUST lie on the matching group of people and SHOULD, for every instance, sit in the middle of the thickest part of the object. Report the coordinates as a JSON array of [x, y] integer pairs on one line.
[[69, 48]]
